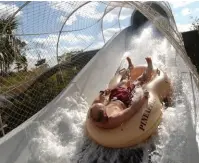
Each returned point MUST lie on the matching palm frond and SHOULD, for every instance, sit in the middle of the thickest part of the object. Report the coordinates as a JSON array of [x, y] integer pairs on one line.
[[12, 24]]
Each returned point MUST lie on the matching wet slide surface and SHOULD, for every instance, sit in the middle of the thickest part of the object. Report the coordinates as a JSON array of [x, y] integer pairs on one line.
[[56, 133]]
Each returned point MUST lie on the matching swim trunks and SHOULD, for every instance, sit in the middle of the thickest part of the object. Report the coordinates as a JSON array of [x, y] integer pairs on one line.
[[123, 94]]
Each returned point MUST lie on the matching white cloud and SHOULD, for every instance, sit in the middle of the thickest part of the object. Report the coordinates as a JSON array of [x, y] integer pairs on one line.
[[108, 33], [50, 40], [69, 38], [175, 15], [114, 14], [48, 52], [9, 9], [87, 11], [72, 48], [70, 21], [65, 7], [46, 46], [110, 17], [90, 11], [184, 27], [178, 4], [185, 11], [96, 45], [196, 10], [76, 38], [126, 13]]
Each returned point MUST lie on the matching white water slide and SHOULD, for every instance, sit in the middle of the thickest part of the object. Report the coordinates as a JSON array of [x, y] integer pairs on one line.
[[56, 133]]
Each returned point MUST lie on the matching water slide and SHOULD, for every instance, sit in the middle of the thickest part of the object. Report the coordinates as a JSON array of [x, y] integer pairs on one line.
[[56, 133]]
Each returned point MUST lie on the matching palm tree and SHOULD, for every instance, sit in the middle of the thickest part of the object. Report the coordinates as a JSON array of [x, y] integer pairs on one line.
[[24, 63], [7, 49], [18, 66], [21, 62], [10, 46]]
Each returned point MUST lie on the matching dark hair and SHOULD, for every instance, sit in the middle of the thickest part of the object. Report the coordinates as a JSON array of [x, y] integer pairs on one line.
[[100, 116]]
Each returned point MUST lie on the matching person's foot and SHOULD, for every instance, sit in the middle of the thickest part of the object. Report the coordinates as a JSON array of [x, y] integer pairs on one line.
[[149, 63], [148, 60], [131, 66], [149, 70], [107, 92]]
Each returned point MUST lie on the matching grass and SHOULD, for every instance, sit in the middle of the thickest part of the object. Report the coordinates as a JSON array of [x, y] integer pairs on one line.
[[35, 98], [17, 78]]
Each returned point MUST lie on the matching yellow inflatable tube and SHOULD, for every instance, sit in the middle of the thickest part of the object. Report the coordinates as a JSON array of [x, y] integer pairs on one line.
[[143, 124]]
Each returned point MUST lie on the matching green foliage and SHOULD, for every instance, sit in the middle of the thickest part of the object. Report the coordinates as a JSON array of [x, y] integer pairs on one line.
[[195, 23], [10, 23], [14, 79], [11, 47], [68, 55], [21, 62], [18, 66]]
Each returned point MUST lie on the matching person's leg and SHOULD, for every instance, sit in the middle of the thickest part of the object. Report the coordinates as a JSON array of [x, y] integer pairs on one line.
[[149, 69], [131, 66], [148, 72], [124, 73]]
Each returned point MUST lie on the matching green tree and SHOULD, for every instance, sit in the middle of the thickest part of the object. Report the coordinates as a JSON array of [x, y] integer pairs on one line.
[[18, 66], [24, 62], [10, 46], [21, 62], [195, 23]]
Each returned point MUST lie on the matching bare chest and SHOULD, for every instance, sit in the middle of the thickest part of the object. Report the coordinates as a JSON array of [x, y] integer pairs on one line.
[[114, 107]]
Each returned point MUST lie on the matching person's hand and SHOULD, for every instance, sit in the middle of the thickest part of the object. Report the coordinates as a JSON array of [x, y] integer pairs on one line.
[[107, 91], [102, 97]]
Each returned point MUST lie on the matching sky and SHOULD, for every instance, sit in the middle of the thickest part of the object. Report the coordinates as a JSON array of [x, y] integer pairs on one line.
[[183, 12], [40, 23]]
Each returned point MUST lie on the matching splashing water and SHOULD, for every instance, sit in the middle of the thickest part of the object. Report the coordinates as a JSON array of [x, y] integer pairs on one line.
[[55, 140], [62, 139]]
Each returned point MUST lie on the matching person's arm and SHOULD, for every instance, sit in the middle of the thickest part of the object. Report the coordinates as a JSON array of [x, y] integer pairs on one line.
[[147, 72], [124, 115]]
